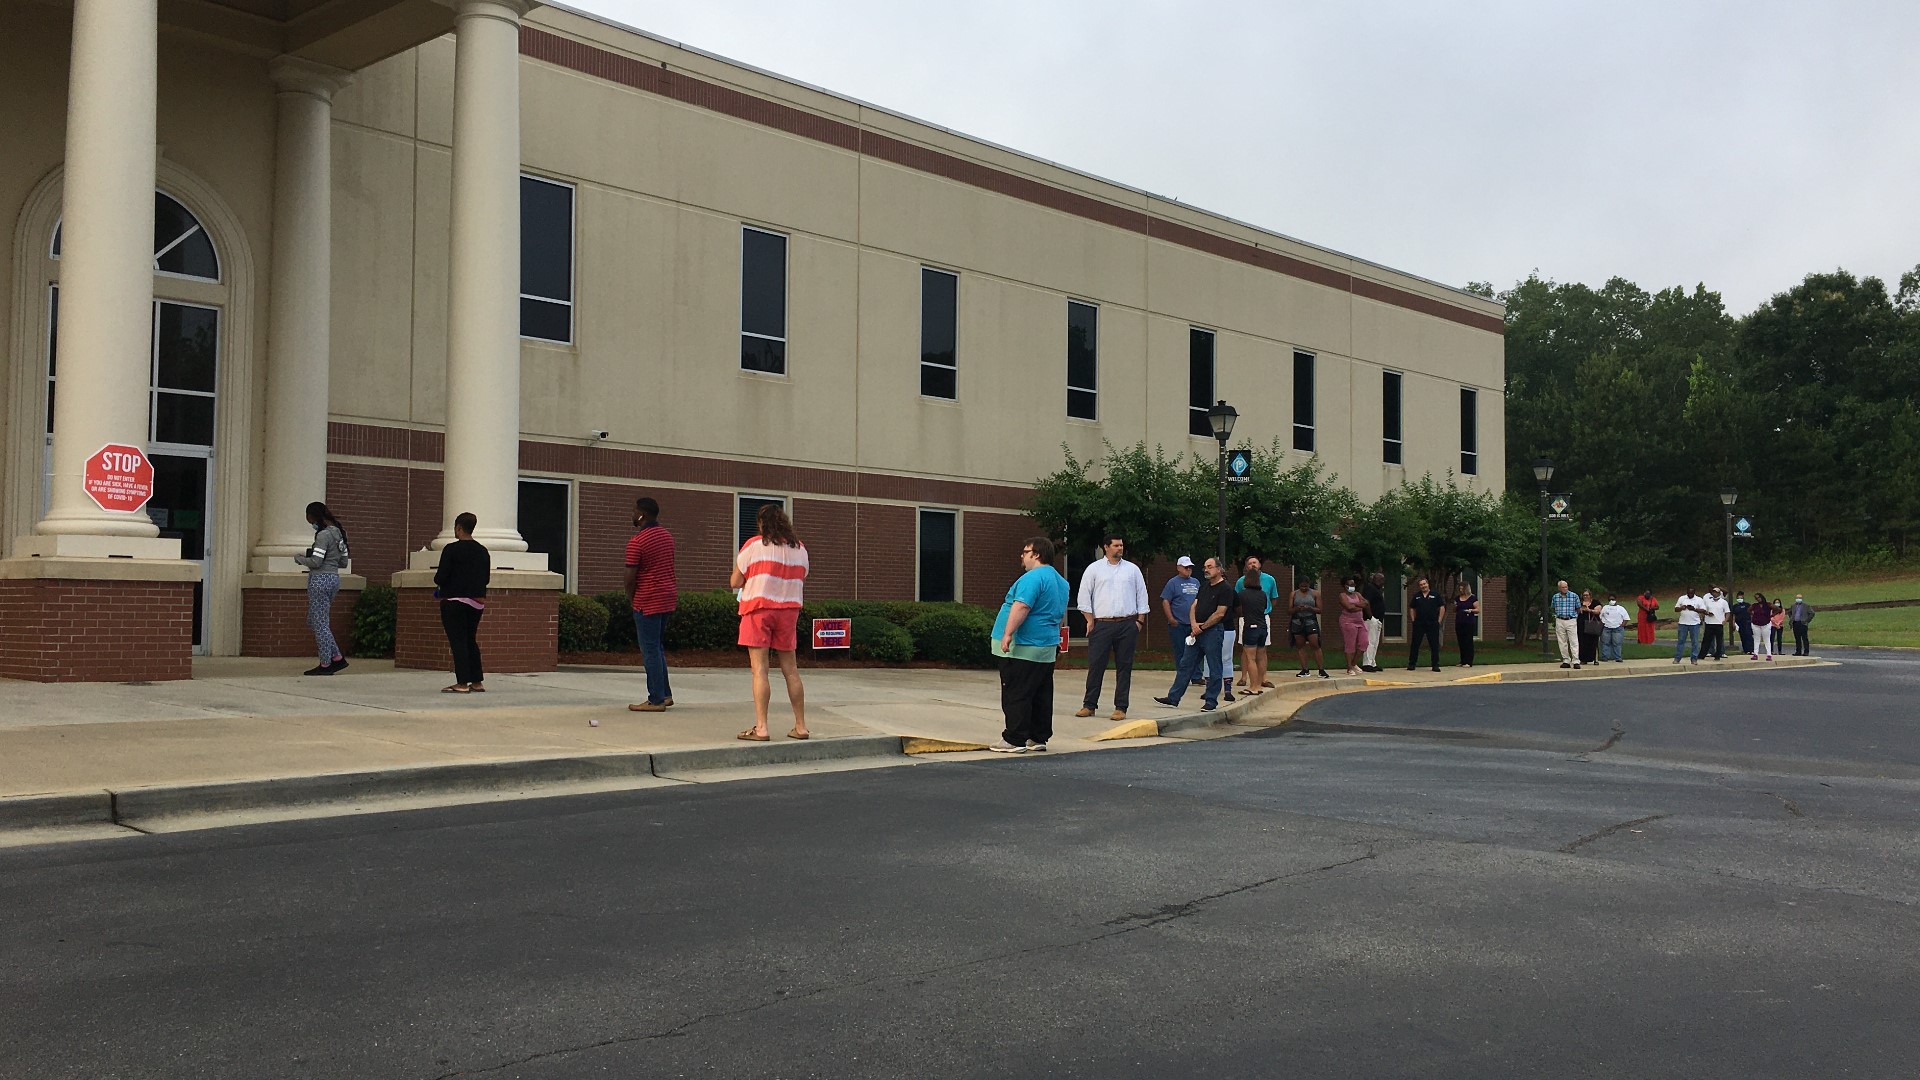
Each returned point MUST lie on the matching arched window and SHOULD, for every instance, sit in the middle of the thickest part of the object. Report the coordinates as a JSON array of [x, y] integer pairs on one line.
[[180, 246]]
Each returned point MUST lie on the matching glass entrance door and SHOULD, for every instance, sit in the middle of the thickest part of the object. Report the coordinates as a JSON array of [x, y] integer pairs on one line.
[[181, 495]]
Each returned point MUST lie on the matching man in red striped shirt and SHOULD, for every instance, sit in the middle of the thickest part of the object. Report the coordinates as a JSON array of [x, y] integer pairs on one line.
[[655, 593]]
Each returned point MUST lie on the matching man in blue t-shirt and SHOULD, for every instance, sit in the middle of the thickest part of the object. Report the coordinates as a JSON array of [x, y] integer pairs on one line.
[[1176, 600], [1026, 638]]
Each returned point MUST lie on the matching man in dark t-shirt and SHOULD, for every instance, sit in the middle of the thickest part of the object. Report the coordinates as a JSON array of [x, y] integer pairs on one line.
[[1207, 621], [1423, 612], [1376, 598]]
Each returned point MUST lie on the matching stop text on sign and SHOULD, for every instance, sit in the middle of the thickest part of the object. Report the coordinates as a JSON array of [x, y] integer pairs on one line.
[[119, 477]]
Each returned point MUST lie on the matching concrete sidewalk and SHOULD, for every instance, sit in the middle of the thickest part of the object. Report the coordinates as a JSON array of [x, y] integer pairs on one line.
[[253, 735]]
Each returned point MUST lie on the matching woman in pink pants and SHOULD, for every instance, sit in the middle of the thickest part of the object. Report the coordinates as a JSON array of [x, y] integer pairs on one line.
[[1353, 622]]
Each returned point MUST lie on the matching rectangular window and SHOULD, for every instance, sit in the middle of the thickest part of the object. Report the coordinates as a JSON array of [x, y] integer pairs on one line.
[[1083, 360], [939, 552], [746, 515], [1390, 417], [546, 259], [1469, 432], [763, 301], [1396, 619], [545, 520], [1303, 401], [1199, 381], [939, 333]]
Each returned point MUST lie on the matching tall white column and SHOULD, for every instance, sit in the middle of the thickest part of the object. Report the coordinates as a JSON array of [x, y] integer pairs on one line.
[[106, 258], [483, 329], [300, 305]]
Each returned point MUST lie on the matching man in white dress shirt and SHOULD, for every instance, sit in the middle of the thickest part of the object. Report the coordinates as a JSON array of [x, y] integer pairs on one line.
[[1113, 597]]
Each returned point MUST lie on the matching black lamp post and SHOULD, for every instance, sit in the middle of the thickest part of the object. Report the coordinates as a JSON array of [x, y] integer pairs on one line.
[[1728, 497], [1543, 472], [1221, 417]]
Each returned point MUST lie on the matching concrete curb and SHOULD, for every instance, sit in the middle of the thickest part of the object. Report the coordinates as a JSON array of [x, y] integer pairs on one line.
[[917, 744], [69, 808], [133, 805]]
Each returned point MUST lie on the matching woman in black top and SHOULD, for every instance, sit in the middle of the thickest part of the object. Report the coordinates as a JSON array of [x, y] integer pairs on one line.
[[1466, 622], [1589, 628], [461, 584]]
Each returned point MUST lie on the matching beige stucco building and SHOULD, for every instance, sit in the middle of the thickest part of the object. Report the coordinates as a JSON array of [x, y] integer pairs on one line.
[[414, 257]]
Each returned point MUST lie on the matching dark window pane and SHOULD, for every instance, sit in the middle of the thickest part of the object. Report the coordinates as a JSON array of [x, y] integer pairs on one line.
[[939, 317], [749, 521], [1303, 392], [1396, 620], [50, 390], [939, 382], [1303, 438], [759, 354], [1083, 347], [1390, 451], [1469, 420], [1198, 424], [186, 344], [546, 320], [1080, 404], [543, 521], [53, 330], [936, 556], [1469, 463], [56, 239], [546, 240], [1199, 369], [183, 419], [1390, 405], [192, 256], [763, 283]]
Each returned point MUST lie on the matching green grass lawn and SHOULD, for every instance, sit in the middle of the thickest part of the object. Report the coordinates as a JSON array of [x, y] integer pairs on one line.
[[1896, 627], [1884, 626]]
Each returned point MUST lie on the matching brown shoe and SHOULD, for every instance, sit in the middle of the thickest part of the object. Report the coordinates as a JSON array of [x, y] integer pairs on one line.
[[668, 703], [1118, 714], [648, 706], [1084, 712]]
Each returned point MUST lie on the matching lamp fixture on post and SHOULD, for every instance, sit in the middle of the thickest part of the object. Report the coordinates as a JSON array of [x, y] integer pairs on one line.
[[1221, 418], [1543, 472], [1728, 496]]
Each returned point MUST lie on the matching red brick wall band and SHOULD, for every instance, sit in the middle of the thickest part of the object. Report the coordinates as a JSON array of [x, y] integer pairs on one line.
[[273, 622], [55, 630], [519, 632]]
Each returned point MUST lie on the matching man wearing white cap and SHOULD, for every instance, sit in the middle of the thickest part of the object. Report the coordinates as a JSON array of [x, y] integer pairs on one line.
[[1176, 600]]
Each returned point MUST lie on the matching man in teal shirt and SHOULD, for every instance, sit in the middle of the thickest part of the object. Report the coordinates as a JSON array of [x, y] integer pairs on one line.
[[1026, 638]]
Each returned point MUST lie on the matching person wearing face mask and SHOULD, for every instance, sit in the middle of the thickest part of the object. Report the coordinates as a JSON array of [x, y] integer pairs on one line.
[[1743, 621], [1713, 638], [1801, 616], [651, 583], [1354, 613], [1613, 630], [1761, 613]]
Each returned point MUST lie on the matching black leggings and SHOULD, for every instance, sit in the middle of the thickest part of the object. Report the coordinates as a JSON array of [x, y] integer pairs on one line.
[[463, 630]]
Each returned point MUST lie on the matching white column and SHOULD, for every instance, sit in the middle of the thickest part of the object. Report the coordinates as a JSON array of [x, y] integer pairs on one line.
[[106, 258], [483, 329], [300, 306]]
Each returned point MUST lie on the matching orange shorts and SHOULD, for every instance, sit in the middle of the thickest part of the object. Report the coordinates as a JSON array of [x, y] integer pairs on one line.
[[771, 628]]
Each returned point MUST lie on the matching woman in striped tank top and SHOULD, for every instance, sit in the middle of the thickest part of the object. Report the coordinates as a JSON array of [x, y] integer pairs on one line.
[[770, 572]]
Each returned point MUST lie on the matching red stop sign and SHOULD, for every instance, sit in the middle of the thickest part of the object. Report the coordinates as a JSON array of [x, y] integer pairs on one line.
[[120, 477]]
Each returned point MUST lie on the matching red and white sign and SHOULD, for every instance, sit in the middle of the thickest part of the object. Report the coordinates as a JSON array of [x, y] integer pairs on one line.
[[120, 477], [833, 633]]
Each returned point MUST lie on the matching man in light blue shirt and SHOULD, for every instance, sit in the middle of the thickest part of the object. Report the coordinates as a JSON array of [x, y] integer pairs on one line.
[[1026, 638]]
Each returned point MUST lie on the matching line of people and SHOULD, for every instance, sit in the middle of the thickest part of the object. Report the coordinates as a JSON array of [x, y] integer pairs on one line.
[[1700, 625]]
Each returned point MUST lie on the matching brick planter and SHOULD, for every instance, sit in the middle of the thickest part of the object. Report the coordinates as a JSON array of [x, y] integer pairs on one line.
[[273, 620], [520, 631], [81, 630]]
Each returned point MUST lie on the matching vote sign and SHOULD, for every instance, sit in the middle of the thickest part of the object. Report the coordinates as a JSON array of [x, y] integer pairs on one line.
[[833, 634], [119, 477]]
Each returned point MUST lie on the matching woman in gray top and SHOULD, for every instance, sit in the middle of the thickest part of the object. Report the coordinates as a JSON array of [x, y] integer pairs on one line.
[[324, 561]]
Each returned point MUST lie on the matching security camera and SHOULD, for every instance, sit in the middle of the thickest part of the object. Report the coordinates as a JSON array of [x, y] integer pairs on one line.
[[599, 434]]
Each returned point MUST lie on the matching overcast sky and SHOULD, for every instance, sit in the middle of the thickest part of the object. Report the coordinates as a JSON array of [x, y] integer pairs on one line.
[[1737, 144]]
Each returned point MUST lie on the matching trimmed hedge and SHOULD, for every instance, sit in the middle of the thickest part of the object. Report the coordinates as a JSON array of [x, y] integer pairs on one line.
[[620, 635], [374, 614], [705, 620], [875, 638], [953, 637], [583, 624]]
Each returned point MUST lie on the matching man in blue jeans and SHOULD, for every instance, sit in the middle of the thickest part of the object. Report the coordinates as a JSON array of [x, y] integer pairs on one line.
[[655, 592], [1212, 607], [1688, 612], [1176, 599]]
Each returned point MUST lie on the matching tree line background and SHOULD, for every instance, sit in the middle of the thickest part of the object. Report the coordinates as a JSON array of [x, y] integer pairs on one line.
[[1647, 403]]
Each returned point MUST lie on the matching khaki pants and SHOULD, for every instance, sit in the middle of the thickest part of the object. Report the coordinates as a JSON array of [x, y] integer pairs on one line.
[[1566, 632], [1376, 629]]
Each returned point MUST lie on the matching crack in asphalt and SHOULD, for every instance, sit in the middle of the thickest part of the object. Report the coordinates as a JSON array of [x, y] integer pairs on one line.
[[1125, 924], [1792, 807], [1568, 849], [1612, 740]]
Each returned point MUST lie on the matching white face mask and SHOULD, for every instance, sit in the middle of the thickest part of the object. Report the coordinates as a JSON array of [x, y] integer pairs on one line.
[[1353, 588]]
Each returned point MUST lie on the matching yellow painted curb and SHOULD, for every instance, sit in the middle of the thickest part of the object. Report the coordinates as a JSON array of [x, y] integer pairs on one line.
[[1132, 729], [910, 744], [1491, 676], [1388, 682]]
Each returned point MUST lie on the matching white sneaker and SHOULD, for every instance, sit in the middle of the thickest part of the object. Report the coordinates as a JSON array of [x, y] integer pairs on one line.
[[1036, 747], [1005, 747]]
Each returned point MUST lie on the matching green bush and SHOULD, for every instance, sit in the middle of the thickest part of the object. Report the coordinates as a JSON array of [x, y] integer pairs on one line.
[[373, 618], [621, 635], [704, 620], [875, 638], [583, 624], [952, 637], [898, 612]]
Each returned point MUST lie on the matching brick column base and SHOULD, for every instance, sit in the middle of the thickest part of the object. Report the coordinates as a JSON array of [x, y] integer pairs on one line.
[[92, 630], [519, 632], [273, 615]]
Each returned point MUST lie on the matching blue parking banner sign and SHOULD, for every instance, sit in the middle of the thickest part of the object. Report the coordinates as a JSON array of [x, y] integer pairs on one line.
[[1742, 529], [1240, 467]]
